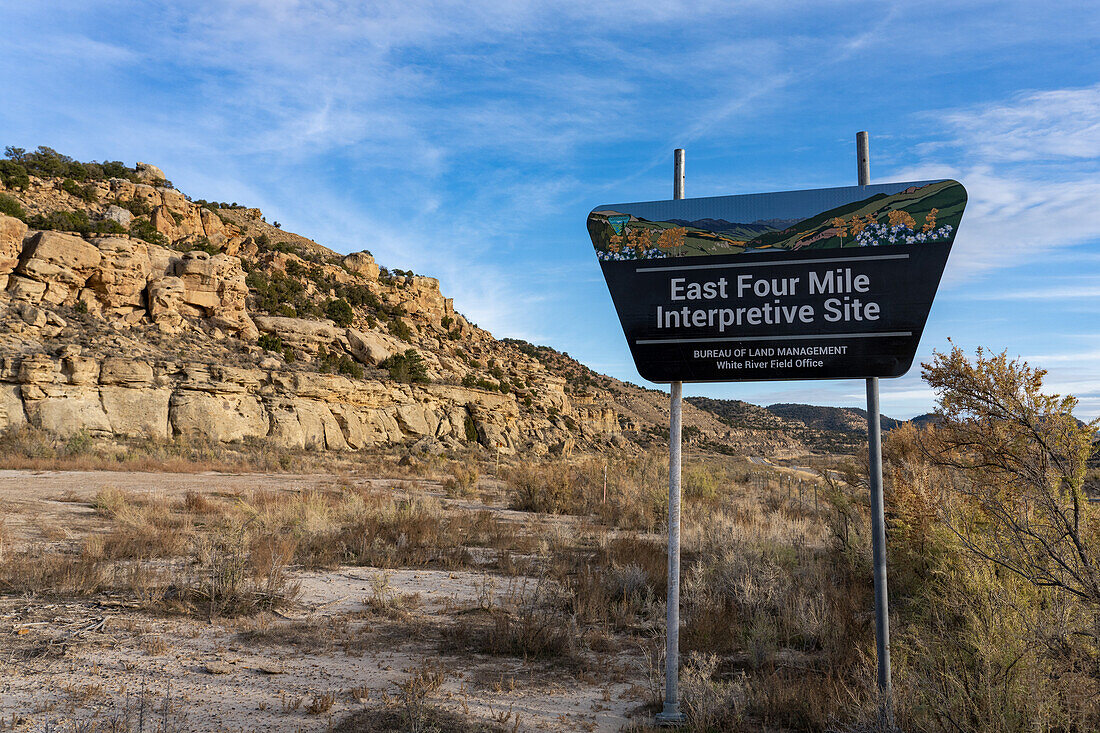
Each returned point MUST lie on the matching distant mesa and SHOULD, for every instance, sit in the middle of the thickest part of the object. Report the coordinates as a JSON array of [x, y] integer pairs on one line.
[[737, 230]]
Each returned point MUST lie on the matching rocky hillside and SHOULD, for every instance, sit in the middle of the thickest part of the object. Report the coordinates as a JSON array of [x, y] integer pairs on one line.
[[129, 309], [841, 419], [817, 436], [825, 429]]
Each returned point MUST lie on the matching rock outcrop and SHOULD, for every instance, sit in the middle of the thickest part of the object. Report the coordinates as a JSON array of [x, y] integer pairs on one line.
[[215, 323], [72, 393]]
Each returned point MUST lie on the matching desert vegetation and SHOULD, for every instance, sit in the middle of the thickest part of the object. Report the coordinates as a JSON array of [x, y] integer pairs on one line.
[[991, 540]]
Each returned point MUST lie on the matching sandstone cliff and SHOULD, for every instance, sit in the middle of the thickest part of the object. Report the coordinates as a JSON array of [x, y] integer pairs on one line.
[[155, 315]]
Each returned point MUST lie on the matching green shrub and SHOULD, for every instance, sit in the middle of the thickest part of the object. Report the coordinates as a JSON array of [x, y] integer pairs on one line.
[[358, 295], [340, 312], [67, 221], [73, 221], [11, 207], [108, 226], [471, 429], [349, 368], [114, 169], [280, 294], [201, 244], [295, 269], [702, 482], [144, 229], [86, 193], [134, 206], [48, 163], [329, 362], [408, 367], [14, 175], [270, 342], [399, 329]]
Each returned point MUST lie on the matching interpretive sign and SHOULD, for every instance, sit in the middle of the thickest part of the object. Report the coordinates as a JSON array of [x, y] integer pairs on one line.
[[820, 284]]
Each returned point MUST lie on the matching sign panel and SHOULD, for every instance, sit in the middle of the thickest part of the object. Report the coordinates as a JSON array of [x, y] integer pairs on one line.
[[820, 284]]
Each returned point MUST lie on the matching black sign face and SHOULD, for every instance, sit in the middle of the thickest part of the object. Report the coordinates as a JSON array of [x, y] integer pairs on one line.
[[821, 284]]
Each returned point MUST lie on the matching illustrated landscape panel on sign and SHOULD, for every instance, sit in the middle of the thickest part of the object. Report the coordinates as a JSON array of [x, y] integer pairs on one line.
[[855, 216]]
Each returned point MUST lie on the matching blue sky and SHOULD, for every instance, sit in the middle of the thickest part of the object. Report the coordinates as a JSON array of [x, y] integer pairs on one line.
[[469, 140]]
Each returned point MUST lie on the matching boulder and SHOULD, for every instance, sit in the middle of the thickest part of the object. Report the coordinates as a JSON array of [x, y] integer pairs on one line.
[[121, 189], [237, 322], [79, 369], [372, 347], [62, 261], [37, 369], [178, 222], [357, 428], [164, 221], [146, 194], [285, 431], [25, 289], [12, 232], [162, 261], [299, 333], [212, 224], [165, 297], [362, 263], [175, 201], [494, 438], [33, 316], [214, 287], [148, 173], [319, 428], [11, 407], [564, 447], [118, 215], [415, 420], [122, 273]]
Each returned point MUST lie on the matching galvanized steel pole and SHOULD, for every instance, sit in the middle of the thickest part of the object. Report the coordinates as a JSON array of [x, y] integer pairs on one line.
[[878, 519], [678, 174], [670, 714]]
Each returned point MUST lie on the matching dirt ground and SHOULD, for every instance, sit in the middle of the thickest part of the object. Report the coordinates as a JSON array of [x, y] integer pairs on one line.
[[78, 665]]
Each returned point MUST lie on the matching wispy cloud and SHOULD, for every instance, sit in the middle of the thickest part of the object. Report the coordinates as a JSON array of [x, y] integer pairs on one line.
[[1050, 124], [1086, 287], [1020, 207]]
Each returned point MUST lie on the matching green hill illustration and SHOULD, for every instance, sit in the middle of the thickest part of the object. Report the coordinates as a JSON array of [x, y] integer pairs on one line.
[[917, 215]]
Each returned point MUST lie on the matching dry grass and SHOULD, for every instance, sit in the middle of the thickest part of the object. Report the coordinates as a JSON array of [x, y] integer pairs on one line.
[[777, 626], [231, 556], [415, 709], [143, 710], [626, 493], [460, 479], [34, 449]]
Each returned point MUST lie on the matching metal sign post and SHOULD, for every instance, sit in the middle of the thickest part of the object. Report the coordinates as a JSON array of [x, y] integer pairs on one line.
[[670, 714], [832, 283], [878, 519]]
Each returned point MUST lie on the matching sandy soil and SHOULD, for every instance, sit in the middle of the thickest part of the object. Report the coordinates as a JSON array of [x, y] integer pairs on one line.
[[66, 662]]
